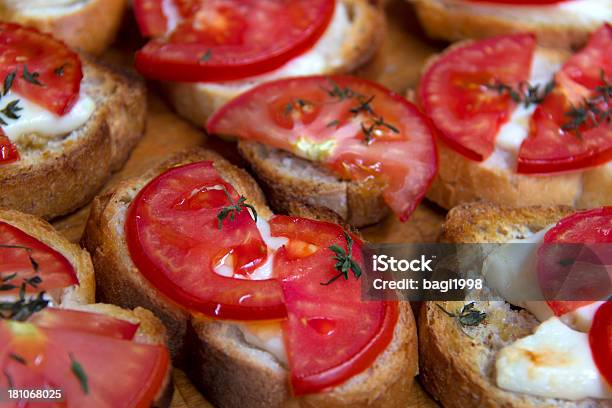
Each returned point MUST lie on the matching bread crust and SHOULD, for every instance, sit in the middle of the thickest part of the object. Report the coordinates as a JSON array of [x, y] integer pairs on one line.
[[451, 360], [361, 43], [199, 338], [357, 203], [84, 292], [90, 28], [228, 369], [57, 181], [452, 24]]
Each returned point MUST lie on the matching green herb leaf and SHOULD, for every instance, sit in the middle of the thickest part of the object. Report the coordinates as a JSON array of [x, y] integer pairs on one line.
[[589, 111], [31, 77], [11, 109], [79, 372], [206, 56], [466, 316], [18, 358], [235, 208], [59, 71], [8, 81], [344, 261]]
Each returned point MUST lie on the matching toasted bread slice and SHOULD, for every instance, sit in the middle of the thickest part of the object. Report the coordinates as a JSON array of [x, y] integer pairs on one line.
[[212, 350], [350, 43], [150, 331], [458, 363], [288, 179], [59, 175], [559, 26], [88, 25], [461, 180], [81, 294]]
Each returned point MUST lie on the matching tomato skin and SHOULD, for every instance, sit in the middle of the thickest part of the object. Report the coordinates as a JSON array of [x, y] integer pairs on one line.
[[330, 334], [402, 161], [581, 228], [54, 269], [8, 151], [43, 55], [228, 50], [453, 91], [221, 297], [600, 340], [93, 323]]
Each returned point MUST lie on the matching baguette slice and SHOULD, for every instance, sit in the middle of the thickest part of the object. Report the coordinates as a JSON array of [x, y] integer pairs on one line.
[[361, 39], [457, 364], [222, 364], [59, 175], [288, 179], [461, 180], [88, 25], [458, 20], [81, 294]]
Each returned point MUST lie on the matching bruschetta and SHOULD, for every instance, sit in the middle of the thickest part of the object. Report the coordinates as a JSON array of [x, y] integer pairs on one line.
[[208, 52], [66, 122], [266, 310], [519, 124]]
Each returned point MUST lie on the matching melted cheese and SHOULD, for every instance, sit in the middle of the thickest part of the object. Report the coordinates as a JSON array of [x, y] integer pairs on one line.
[[34, 119], [554, 362], [45, 8], [325, 56], [266, 336]]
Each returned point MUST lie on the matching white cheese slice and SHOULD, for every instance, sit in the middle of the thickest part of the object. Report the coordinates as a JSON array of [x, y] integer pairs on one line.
[[554, 362], [581, 319], [34, 119], [266, 336]]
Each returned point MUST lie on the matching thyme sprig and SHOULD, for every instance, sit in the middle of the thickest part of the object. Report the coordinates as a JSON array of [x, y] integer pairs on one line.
[[31, 77], [344, 261], [79, 373], [525, 93], [590, 111], [466, 316], [235, 208], [23, 307]]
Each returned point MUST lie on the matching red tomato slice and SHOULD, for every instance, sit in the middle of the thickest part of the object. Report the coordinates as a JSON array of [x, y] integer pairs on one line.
[[454, 92], [558, 261], [115, 372], [173, 237], [18, 250], [551, 146], [355, 127], [331, 335], [93, 323], [46, 71], [600, 340], [220, 40], [8, 151]]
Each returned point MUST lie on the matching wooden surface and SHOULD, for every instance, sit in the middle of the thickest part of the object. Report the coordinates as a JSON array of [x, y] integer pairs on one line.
[[396, 66]]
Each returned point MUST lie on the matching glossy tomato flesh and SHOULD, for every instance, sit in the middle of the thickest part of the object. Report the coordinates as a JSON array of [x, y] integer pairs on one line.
[[559, 261], [23, 257], [174, 239], [222, 40], [44, 69], [600, 340], [8, 151], [552, 146], [356, 128], [113, 372], [331, 335], [93, 323], [457, 91]]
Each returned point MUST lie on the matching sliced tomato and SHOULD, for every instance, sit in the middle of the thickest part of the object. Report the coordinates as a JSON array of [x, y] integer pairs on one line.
[[93, 323], [331, 335], [552, 146], [575, 260], [600, 340], [457, 91], [174, 239], [45, 70], [111, 372], [8, 151], [358, 129], [220, 40], [23, 257]]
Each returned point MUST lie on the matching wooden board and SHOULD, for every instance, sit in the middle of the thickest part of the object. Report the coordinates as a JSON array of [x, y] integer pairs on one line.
[[396, 66]]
